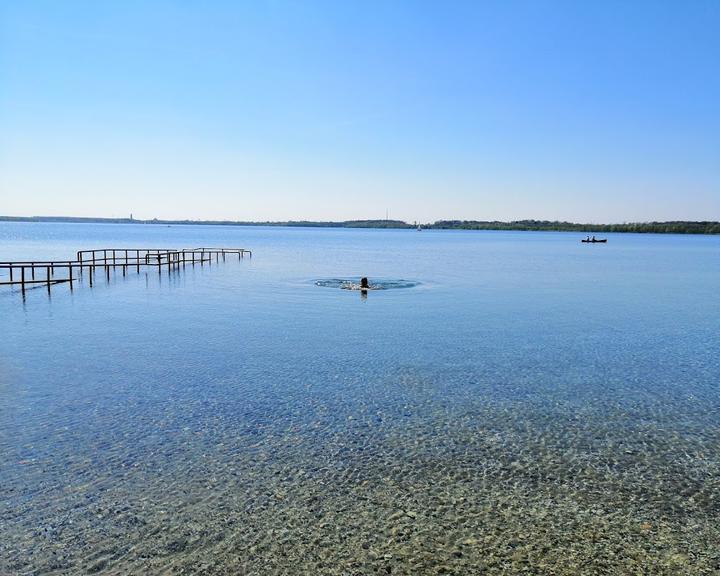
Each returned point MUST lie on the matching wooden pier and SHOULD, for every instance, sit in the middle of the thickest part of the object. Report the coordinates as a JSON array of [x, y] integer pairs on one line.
[[49, 273]]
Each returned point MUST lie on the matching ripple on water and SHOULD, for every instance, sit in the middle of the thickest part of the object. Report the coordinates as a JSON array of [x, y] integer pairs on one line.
[[354, 284]]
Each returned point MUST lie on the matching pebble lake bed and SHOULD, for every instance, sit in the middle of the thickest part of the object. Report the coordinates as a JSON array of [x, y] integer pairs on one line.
[[525, 404]]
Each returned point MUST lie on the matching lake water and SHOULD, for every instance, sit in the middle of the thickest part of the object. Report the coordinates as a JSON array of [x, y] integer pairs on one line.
[[532, 405]]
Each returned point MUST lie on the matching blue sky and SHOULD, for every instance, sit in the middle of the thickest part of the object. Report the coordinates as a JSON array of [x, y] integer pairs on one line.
[[595, 112]]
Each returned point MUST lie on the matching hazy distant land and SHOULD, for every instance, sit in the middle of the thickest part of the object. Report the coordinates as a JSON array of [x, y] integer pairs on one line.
[[672, 227]]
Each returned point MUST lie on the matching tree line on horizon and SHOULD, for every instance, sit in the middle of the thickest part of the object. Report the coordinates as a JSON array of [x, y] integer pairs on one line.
[[671, 227]]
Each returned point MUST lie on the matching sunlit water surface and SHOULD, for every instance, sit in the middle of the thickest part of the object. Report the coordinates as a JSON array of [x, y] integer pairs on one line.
[[529, 405]]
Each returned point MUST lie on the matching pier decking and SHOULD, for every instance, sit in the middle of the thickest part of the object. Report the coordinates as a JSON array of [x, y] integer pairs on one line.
[[31, 273]]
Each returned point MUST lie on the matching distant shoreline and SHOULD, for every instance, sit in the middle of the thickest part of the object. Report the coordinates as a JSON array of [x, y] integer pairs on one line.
[[671, 227]]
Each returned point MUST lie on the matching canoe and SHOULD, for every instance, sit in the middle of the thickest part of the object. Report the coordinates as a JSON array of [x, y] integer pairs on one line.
[[595, 241]]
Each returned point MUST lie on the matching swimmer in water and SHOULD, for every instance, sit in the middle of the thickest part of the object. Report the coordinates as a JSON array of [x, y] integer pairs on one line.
[[364, 283]]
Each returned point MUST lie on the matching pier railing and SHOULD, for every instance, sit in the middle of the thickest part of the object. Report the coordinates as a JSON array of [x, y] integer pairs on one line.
[[33, 272]]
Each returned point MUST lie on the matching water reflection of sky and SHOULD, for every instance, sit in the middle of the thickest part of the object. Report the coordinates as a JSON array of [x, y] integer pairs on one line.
[[534, 402]]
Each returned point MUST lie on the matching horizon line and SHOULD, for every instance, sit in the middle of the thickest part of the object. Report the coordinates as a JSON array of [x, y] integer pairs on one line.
[[125, 219], [702, 227]]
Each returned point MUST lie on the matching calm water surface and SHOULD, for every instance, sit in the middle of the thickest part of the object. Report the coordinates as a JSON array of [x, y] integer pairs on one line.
[[533, 405]]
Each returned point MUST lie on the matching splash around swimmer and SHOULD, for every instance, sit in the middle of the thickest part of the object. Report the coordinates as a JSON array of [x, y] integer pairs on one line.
[[364, 283]]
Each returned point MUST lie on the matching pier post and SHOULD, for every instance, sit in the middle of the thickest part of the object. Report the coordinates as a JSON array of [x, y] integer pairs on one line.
[[70, 276], [22, 279]]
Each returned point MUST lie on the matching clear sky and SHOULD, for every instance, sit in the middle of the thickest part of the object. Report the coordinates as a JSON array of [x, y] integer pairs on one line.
[[604, 111]]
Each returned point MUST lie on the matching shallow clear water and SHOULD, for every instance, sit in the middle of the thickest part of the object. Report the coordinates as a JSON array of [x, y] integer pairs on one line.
[[533, 405]]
